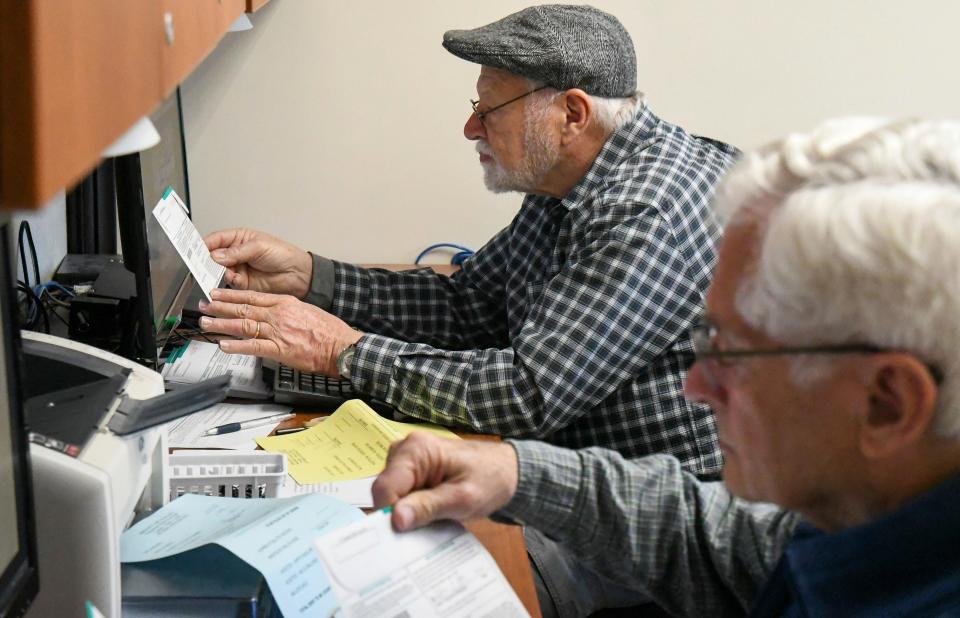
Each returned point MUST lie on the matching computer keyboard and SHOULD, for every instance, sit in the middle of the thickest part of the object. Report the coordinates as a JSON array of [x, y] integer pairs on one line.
[[295, 387]]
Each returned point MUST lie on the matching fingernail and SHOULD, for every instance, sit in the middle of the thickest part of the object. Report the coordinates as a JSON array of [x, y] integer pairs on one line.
[[402, 517], [215, 293], [202, 305], [219, 254], [205, 322], [225, 345]]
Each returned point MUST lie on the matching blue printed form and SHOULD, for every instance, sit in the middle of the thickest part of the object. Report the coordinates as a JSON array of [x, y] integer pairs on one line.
[[274, 535]]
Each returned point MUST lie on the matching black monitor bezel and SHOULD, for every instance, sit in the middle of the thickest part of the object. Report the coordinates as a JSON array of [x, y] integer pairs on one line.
[[19, 581], [132, 224]]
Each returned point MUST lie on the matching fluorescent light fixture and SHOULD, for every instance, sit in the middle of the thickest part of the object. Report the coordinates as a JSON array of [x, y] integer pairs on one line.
[[241, 23], [140, 136]]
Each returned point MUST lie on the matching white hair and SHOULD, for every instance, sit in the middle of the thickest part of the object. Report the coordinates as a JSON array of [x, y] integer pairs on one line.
[[859, 241], [610, 113], [613, 113]]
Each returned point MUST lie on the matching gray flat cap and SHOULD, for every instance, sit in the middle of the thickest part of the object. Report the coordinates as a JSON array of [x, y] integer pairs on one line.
[[561, 45]]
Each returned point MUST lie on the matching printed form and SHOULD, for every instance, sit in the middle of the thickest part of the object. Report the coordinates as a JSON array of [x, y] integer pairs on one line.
[[171, 213], [351, 444], [196, 361], [440, 571]]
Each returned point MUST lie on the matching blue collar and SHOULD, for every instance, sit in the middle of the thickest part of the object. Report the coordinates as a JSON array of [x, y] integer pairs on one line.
[[906, 562]]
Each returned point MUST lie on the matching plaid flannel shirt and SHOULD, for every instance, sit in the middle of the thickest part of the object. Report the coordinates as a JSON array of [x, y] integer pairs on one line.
[[571, 324], [645, 524]]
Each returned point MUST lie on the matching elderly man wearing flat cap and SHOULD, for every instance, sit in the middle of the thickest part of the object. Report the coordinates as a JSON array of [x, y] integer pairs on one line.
[[570, 325]]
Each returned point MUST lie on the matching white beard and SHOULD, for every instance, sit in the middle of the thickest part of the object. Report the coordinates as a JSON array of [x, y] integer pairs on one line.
[[539, 157]]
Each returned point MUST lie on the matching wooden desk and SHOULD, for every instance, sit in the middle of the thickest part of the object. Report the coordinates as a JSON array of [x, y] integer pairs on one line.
[[505, 543], [443, 269]]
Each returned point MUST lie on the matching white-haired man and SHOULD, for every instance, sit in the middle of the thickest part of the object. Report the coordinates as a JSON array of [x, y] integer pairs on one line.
[[831, 356], [572, 324]]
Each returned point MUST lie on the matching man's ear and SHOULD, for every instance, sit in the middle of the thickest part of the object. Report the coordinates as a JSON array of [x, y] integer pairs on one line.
[[902, 403], [578, 114]]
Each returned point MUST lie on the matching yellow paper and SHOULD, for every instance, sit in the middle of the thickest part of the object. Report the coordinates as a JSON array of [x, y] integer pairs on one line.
[[351, 444]]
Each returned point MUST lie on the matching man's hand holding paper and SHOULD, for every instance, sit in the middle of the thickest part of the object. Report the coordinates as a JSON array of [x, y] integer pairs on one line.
[[171, 213], [259, 262]]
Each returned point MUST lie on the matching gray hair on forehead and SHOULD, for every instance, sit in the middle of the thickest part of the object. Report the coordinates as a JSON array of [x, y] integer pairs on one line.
[[858, 241]]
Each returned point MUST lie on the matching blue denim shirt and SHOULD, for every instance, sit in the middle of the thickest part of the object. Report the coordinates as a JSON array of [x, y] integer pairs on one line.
[[906, 563]]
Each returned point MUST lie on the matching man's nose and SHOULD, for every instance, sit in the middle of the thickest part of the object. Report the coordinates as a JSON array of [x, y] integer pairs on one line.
[[473, 129], [701, 385]]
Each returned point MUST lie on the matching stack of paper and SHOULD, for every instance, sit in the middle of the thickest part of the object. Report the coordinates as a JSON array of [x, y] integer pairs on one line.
[[189, 431], [198, 360], [351, 444], [356, 492]]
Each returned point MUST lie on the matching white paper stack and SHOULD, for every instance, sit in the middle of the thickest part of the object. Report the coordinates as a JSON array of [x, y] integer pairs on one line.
[[198, 360], [356, 492], [189, 431]]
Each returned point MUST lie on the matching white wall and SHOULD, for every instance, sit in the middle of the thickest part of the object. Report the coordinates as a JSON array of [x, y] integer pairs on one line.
[[49, 228], [339, 125]]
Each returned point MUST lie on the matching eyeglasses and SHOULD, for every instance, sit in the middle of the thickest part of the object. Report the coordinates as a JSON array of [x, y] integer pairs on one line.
[[703, 336], [481, 115]]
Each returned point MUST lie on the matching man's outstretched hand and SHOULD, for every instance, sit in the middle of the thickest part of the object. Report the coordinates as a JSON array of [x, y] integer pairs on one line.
[[429, 478]]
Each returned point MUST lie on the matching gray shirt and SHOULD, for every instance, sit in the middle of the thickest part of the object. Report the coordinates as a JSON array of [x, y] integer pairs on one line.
[[646, 524]]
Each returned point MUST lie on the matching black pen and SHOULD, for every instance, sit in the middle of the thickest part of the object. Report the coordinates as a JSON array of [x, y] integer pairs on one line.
[[286, 430]]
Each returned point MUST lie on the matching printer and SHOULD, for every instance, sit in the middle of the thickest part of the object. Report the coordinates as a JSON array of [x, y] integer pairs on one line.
[[99, 457]]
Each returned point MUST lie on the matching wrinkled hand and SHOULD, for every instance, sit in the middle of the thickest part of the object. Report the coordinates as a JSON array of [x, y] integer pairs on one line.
[[278, 327], [429, 478], [257, 261]]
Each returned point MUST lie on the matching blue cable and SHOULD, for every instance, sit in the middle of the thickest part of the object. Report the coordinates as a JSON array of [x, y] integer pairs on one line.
[[54, 284], [39, 291], [458, 258]]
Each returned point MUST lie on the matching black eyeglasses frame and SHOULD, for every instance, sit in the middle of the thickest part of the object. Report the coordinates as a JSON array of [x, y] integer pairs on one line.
[[481, 115]]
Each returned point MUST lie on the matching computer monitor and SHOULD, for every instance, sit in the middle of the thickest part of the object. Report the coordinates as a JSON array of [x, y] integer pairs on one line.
[[18, 549], [163, 282]]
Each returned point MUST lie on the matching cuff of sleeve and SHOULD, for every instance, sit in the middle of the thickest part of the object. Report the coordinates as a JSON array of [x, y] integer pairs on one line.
[[372, 369], [548, 489], [321, 283]]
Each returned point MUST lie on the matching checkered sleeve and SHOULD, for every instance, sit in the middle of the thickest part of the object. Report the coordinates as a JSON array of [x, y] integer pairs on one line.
[[647, 524], [612, 309], [458, 312]]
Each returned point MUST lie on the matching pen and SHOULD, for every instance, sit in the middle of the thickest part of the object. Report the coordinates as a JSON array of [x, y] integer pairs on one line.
[[257, 422], [286, 430]]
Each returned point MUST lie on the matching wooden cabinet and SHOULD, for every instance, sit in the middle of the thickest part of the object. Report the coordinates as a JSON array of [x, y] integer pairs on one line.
[[191, 29], [255, 5], [75, 75]]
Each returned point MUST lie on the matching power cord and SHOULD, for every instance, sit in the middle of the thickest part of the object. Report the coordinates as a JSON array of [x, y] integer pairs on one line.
[[25, 232], [458, 258], [33, 312]]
